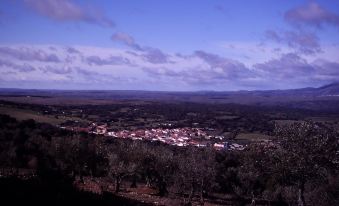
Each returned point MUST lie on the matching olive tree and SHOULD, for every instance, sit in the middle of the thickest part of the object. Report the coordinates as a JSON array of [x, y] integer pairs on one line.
[[305, 152]]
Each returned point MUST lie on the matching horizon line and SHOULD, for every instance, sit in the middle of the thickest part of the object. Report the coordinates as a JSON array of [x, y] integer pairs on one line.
[[164, 91]]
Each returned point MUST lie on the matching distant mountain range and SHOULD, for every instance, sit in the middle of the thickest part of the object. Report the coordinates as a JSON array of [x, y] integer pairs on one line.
[[330, 89], [327, 90], [297, 98]]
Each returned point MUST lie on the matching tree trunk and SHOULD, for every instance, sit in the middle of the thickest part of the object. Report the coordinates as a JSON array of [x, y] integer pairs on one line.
[[134, 181], [117, 184], [301, 199], [91, 173], [190, 197], [73, 176], [253, 203], [148, 181], [162, 188], [202, 201], [80, 176]]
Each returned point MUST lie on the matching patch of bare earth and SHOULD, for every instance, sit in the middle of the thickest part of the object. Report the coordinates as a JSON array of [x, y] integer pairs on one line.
[[141, 193]]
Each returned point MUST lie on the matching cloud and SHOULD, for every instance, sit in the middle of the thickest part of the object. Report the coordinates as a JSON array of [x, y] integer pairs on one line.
[[24, 68], [273, 35], [97, 77], [67, 10], [28, 54], [125, 39], [293, 68], [327, 69], [112, 60], [152, 55], [21, 68], [288, 66], [72, 50], [312, 14], [5, 63], [202, 68], [117, 68], [86, 72], [223, 66], [56, 69], [304, 42]]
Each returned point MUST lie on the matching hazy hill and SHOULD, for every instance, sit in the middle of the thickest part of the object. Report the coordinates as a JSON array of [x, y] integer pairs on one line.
[[325, 97]]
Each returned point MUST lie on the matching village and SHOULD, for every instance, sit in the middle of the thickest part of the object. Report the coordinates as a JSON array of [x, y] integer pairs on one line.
[[180, 137]]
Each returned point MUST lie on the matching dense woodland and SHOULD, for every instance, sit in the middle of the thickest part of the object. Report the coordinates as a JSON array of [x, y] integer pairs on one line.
[[300, 168]]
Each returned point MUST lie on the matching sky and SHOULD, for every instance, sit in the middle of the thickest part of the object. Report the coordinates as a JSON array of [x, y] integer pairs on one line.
[[168, 45]]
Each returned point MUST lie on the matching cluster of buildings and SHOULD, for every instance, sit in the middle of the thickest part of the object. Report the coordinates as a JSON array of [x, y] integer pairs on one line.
[[178, 136]]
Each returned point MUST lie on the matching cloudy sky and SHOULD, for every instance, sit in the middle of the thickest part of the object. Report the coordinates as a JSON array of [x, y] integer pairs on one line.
[[168, 45]]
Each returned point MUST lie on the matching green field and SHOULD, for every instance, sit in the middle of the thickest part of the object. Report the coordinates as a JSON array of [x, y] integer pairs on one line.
[[24, 114], [254, 137]]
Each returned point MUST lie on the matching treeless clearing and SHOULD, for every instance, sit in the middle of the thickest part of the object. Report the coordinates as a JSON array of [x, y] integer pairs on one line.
[[22, 114], [25, 114], [253, 137]]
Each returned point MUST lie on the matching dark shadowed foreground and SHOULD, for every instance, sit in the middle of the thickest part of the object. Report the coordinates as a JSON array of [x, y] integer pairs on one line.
[[54, 190], [43, 164]]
